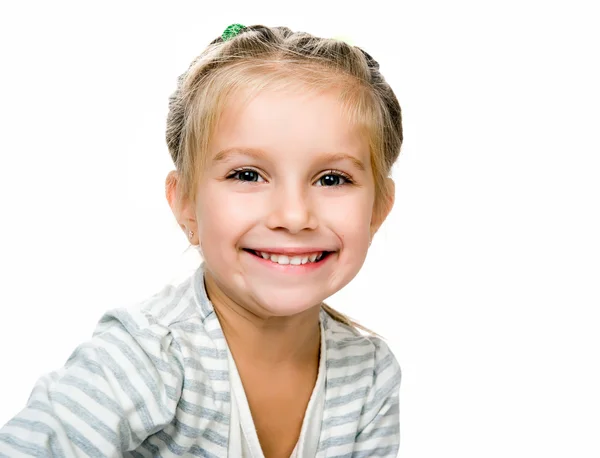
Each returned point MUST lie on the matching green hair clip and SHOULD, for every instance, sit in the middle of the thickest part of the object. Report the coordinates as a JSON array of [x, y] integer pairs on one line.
[[231, 31]]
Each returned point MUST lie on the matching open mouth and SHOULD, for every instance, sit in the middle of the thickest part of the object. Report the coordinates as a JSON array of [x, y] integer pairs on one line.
[[282, 259]]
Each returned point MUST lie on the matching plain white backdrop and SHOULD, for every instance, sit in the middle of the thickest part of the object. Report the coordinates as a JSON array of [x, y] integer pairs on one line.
[[486, 277]]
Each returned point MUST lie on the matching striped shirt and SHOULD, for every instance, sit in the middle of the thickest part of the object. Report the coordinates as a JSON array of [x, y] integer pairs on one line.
[[153, 381]]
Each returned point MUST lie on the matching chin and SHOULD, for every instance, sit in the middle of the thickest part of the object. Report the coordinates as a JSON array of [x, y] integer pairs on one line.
[[282, 305]]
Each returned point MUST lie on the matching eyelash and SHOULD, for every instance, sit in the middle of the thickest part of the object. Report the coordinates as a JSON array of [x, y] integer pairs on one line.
[[332, 172]]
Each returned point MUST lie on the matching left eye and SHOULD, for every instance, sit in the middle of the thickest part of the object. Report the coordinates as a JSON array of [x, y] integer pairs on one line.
[[333, 179]]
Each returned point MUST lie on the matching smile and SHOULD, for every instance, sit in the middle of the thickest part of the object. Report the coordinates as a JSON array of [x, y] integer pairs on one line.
[[296, 260]]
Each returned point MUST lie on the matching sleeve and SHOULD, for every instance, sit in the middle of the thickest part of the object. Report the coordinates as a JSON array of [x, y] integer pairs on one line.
[[115, 390], [379, 428]]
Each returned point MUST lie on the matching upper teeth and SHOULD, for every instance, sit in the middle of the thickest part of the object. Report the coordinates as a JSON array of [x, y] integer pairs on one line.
[[295, 260]]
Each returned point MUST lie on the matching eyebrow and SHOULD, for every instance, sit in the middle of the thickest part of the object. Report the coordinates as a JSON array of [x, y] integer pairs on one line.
[[224, 155]]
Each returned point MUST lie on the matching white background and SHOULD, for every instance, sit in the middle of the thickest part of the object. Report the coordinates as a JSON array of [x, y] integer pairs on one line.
[[485, 278]]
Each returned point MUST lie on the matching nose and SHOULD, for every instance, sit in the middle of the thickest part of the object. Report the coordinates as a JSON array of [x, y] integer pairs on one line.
[[291, 210]]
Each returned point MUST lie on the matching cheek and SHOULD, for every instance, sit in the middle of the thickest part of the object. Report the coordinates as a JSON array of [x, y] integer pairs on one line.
[[350, 217], [221, 219], [354, 231], [216, 219]]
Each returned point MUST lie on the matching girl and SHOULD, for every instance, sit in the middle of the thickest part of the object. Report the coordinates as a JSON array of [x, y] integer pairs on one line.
[[283, 143]]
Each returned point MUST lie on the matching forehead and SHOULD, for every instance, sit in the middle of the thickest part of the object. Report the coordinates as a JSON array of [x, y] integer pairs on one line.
[[291, 119]]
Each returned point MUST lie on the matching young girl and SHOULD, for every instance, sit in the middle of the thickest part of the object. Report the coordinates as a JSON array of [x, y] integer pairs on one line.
[[283, 144]]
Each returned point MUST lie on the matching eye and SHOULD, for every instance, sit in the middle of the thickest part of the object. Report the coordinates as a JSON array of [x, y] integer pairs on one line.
[[334, 178], [246, 175]]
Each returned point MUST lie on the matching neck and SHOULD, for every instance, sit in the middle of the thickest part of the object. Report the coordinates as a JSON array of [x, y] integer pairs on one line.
[[267, 341]]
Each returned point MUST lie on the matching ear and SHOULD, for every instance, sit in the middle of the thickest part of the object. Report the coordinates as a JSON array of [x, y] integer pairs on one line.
[[182, 209], [381, 211]]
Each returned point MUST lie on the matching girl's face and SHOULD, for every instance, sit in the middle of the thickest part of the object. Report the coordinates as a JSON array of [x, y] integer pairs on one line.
[[286, 174]]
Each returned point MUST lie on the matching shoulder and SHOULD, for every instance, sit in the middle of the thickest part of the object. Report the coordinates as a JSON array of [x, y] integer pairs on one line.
[[347, 347], [362, 392], [170, 306], [176, 325], [361, 364]]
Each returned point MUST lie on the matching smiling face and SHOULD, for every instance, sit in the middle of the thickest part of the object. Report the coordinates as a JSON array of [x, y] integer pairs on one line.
[[286, 171]]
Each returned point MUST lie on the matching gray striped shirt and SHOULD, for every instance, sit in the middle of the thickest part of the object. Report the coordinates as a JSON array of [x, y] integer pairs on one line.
[[153, 381]]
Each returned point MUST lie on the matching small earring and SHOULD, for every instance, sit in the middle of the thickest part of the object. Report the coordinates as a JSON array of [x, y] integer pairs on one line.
[[190, 235]]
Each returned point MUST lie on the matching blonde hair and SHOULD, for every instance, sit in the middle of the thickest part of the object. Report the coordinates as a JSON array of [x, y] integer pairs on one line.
[[261, 57]]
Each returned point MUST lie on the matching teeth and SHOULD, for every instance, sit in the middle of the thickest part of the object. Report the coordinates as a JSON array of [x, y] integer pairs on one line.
[[293, 260]]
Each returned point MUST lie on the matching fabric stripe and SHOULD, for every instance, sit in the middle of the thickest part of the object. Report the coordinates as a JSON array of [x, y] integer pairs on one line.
[[206, 390], [349, 379], [140, 367], [35, 426], [127, 436], [203, 412], [343, 400], [196, 433], [74, 436], [26, 447], [389, 450]]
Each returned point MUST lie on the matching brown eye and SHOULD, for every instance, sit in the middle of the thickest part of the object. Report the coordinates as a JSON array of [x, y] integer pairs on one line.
[[248, 175], [331, 180], [334, 179], [245, 175]]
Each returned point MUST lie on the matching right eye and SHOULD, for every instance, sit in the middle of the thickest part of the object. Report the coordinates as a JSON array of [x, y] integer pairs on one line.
[[245, 175]]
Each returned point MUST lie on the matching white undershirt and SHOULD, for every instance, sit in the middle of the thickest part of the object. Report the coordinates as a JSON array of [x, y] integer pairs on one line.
[[243, 439]]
